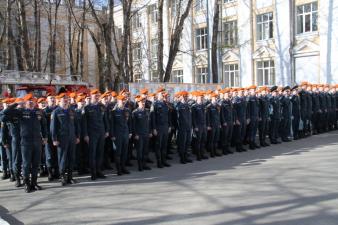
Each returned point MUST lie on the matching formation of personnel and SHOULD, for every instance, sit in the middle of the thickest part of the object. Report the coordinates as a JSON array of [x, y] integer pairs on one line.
[[57, 135]]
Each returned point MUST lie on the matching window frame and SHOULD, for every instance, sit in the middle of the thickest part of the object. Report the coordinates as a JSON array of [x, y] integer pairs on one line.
[[268, 72], [230, 33], [264, 26], [201, 72], [231, 76], [177, 76], [201, 38], [301, 16]]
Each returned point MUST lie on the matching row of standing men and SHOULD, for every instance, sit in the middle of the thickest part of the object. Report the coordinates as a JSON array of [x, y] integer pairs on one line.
[[59, 134]]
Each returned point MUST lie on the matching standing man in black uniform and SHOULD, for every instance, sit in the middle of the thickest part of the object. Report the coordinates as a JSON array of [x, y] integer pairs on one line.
[[184, 127], [96, 129], [286, 114], [213, 120], [295, 101], [227, 121], [161, 124], [141, 129], [33, 132], [65, 133], [275, 115], [120, 133], [253, 111], [264, 107]]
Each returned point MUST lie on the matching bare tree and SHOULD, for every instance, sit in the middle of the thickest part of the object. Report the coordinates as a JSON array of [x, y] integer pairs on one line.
[[214, 43], [175, 37]]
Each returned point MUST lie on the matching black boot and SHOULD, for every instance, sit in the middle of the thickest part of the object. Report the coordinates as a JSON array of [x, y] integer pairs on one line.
[[146, 167], [63, 179], [5, 175], [12, 177], [118, 165], [70, 179], [182, 159], [17, 180], [100, 175], [43, 171], [187, 159], [56, 174], [93, 174], [50, 174], [140, 165], [34, 184], [124, 170], [27, 185]]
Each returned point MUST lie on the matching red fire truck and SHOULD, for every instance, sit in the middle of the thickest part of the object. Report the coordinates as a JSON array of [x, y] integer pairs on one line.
[[19, 83]]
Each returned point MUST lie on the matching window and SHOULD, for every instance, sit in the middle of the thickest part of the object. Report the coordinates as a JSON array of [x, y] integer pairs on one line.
[[138, 77], [201, 5], [202, 75], [154, 76], [266, 73], [177, 76], [264, 26], [153, 13], [201, 38], [137, 52], [231, 75], [307, 18], [230, 33], [228, 1], [136, 20], [154, 49]]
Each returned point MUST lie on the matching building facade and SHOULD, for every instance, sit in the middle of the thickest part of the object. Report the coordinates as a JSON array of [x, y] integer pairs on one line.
[[262, 42]]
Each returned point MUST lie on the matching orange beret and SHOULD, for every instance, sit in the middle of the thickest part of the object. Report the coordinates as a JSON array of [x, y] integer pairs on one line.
[[120, 97], [214, 95], [144, 91], [28, 97], [94, 92], [151, 94], [18, 100], [61, 95], [303, 83], [184, 93], [113, 94], [161, 89], [139, 98], [80, 98], [40, 100], [252, 87], [72, 95]]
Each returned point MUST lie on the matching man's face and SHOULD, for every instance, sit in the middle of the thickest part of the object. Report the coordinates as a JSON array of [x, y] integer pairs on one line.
[[160, 96], [29, 104], [64, 101], [51, 100], [95, 98]]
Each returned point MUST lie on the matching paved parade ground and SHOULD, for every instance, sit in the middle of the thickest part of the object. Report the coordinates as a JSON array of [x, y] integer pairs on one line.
[[292, 183]]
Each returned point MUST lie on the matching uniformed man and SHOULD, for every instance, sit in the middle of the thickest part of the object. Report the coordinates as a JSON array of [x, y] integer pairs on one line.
[[161, 125], [82, 151], [239, 103], [50, 149], [264, 107], [213, 121], [141, 129], [227, 121], [286, 114], [96, 129], [184, 127], [64, 129], [120, 132], [296, 112], [275, 115], [32, 128], [199, 125], [253, 113]]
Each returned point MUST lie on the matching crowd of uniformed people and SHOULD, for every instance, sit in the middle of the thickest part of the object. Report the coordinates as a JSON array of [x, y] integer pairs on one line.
[[60, 134]]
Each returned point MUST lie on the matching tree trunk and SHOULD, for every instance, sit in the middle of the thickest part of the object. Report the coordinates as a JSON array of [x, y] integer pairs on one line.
[[24, 34], [214, 64], [9, 36], [160, 70], [175, 39]]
